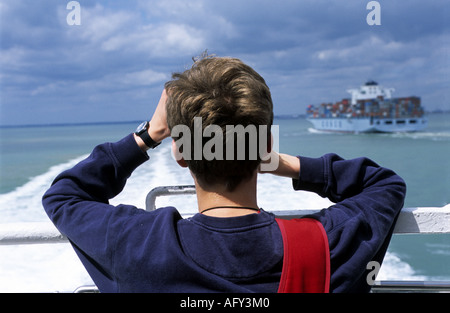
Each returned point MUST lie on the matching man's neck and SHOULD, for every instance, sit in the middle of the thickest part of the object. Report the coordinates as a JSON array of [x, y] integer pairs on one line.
[[217, 197]]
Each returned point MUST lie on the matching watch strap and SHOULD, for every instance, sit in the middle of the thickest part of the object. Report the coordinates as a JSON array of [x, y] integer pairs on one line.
[[149, 142]]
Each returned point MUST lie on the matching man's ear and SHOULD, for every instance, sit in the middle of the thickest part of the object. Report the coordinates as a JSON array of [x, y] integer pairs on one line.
[[177, 155]]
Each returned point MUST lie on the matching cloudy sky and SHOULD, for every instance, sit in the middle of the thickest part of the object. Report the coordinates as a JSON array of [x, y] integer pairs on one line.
[[113, 66]]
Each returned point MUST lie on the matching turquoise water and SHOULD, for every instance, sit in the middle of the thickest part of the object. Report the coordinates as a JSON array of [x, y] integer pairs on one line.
[[421, 158], [32, 156], [26, 152]]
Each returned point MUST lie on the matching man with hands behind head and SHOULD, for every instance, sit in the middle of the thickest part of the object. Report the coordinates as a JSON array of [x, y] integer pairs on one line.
[[231, 245]]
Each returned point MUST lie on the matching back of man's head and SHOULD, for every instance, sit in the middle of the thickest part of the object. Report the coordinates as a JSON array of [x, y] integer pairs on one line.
[[224, 92]]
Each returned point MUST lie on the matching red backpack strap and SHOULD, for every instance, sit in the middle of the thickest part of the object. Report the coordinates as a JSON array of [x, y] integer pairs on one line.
[[306, 262]]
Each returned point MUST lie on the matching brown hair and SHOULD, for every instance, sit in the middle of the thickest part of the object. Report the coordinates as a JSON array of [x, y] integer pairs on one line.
[[222, 91]]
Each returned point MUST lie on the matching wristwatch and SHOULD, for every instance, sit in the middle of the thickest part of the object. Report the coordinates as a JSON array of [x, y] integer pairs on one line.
[[142, 131]]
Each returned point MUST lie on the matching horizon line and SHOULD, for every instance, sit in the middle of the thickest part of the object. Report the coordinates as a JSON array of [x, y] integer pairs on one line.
[[281, 116]]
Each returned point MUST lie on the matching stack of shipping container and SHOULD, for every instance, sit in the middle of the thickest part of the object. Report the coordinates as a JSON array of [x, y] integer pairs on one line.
[[379, 107]]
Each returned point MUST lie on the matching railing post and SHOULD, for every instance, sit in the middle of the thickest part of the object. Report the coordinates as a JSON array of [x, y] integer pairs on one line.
[[150, 200]]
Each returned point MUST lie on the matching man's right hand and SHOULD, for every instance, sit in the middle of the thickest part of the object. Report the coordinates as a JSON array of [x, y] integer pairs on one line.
[[159, 130]]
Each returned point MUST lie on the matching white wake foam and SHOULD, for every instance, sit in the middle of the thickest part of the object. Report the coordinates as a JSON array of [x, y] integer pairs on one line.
[[24, 203]]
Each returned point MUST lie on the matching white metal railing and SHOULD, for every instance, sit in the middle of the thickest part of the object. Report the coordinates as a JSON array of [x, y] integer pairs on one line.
[[423, 220], [150, 201], [420, 220]]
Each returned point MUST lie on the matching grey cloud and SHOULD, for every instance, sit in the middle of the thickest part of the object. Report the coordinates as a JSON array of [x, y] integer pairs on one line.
[[308, 51]]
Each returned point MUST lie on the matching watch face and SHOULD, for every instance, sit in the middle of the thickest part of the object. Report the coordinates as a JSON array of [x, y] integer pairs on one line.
[[141, 127]]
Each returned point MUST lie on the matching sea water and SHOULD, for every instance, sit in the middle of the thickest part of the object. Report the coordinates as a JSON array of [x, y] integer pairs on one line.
[[31, 157]]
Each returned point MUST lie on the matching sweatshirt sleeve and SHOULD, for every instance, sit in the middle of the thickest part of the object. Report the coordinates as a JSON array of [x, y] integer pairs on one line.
[[78, 204], [368, 199], [100, 177]]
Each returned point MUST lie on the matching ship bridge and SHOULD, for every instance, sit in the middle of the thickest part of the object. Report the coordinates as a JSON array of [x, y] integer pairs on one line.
[[370, 90]]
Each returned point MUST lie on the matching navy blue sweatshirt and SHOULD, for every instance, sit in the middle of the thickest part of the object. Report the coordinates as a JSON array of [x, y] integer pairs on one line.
[[126, 249]]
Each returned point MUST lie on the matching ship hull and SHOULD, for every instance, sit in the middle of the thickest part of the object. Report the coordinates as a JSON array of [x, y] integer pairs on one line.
[[368, 125]]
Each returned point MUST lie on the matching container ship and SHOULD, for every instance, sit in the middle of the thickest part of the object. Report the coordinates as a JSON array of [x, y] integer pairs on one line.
[[370, 109]]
